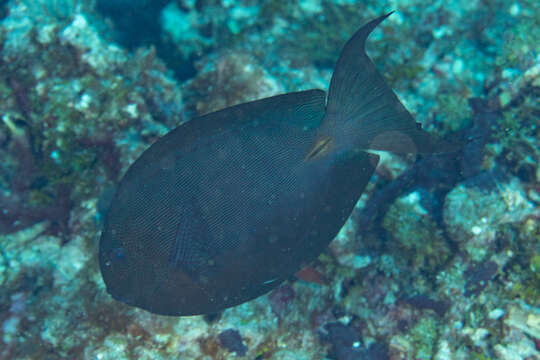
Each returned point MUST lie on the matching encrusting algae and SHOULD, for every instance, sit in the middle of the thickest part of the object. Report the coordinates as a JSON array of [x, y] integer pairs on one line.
[[79, 105]]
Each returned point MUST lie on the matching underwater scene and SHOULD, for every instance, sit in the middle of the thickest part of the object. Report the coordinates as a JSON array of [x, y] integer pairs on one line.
[[303, 179]]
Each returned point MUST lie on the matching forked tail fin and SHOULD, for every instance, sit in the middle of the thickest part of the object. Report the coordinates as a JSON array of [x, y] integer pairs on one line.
[[366, 109]]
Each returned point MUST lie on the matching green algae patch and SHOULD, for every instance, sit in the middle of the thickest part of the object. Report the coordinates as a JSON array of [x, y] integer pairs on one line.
[[415, 234], [424, 336]]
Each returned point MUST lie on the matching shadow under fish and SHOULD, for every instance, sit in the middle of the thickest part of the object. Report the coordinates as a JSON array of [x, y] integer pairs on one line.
[[225, 207]]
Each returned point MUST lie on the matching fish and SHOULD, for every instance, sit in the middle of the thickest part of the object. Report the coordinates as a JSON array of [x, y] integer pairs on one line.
[[224, 208]]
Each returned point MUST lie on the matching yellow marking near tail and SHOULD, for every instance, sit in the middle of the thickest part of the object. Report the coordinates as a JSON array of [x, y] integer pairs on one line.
[[321, 148]]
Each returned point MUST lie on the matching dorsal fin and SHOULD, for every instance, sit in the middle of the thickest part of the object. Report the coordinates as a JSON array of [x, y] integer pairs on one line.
[[302, 108], [365, 107]]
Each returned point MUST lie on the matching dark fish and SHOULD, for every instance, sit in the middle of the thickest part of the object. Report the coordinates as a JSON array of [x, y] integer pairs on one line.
[[224, 208]]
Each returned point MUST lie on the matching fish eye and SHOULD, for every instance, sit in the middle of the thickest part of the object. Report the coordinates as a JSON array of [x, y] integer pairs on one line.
[[119, 253]]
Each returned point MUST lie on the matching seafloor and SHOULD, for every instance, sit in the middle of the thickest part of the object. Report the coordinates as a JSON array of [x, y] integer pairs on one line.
[[440, 259]]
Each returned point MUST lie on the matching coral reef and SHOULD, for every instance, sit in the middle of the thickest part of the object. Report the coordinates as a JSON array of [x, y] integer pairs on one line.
[[474, 210], [438, 261]]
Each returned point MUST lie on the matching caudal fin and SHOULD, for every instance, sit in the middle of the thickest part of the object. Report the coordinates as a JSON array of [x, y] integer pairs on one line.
[[361, 102]]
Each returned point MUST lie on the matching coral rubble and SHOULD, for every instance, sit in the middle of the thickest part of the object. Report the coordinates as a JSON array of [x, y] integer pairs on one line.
[[438, 261]]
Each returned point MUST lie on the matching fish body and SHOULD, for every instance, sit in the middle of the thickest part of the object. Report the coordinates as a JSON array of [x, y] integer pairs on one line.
[[227, 206]]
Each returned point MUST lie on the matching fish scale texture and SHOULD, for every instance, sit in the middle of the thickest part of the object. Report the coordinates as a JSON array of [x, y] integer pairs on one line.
[[186, 220], [269, 182]]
